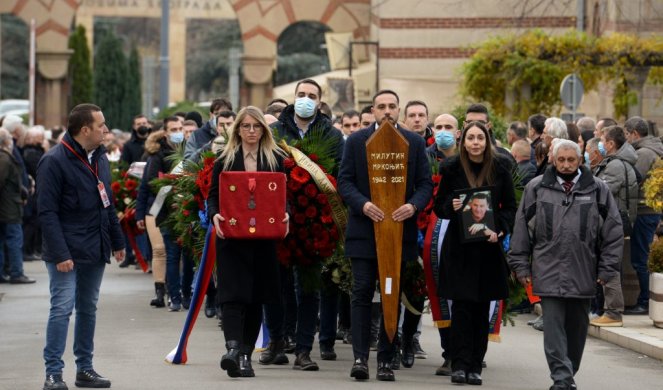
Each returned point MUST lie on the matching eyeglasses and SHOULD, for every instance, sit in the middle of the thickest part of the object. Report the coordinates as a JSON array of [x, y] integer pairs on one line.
[[250, 126]]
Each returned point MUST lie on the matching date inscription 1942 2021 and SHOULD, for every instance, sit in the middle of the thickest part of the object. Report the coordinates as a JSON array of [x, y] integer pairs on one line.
[[393, 169]]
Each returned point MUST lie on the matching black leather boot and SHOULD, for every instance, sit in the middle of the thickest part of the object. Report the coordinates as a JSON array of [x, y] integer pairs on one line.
[[245, 368], [160, 291], [230, 361]]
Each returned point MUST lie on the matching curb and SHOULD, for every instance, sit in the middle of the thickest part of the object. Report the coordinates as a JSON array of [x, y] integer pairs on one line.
[[630, 338]]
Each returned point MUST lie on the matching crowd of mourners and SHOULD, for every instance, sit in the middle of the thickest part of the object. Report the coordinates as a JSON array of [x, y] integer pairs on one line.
[[582, 196]]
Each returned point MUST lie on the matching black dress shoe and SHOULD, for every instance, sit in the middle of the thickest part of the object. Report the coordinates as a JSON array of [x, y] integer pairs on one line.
[[54, 382], [21, 280], [636, 310], [359, 370], [560, 386], [210, 310], [458, 376], [127, 262], [230, 361], [385, 373], [4, 278], [90, 378], [407, 355], [474, 378], [327, 352]]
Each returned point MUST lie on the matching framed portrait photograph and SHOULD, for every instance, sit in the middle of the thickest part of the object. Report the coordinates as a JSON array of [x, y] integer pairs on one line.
[[476, 217]]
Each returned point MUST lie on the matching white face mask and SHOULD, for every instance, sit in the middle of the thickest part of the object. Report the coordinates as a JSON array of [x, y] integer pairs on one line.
[[305, 107]]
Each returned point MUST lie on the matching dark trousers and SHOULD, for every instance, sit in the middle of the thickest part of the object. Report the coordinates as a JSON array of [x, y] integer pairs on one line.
[[364, 275], [329, 309], [469, 332], [281, 318], [411, 321], [241, 322], [344, 314], [445, 342], [643, 234], [31, 235], [308, 306], [564, 335]]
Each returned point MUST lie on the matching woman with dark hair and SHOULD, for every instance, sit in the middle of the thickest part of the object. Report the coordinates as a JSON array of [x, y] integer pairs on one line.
[[473, 274], [573, 132], [247, 269]]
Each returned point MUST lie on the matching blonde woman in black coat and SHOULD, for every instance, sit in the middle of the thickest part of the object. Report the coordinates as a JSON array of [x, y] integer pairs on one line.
[[247, 269], [473, 274]]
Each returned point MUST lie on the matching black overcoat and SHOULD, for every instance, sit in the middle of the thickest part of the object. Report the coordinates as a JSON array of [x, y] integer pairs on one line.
[[247, 270], [476, 271]]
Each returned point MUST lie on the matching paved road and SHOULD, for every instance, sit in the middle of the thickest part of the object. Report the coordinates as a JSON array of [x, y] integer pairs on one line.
[[133, 338]]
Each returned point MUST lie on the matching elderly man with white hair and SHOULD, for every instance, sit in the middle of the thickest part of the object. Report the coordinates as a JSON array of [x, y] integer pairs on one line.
[[12, 195], [568, 224], [554, 128]]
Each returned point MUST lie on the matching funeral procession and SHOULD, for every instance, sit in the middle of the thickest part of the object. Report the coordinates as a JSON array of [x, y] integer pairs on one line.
[[331, 194]]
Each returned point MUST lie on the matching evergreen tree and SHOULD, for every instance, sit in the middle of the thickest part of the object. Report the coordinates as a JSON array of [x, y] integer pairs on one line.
[[110, 73], [80, 70], [15, 57], [133, 91]]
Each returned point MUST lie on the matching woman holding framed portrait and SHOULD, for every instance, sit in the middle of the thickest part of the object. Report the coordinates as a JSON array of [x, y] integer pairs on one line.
[[476, 195]]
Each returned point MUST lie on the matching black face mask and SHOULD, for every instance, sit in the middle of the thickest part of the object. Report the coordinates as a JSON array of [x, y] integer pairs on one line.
[[567, 176], [143, 130]]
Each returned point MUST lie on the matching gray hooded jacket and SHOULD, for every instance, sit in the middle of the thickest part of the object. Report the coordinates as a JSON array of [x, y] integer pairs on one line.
[[648, 149], [616, 170], [571, 239]]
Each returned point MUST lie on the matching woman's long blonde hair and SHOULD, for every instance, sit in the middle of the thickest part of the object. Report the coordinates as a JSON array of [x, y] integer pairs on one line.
[[267, 147]]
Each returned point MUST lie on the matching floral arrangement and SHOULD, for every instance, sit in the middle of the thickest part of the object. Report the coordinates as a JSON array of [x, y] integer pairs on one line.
[[653, 187], [337, 273], [655, 259], [125, 189], [188, 199], [313, 234], [413, 281]]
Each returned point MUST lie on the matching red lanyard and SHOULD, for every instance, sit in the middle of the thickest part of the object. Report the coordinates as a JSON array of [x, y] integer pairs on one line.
[[95, 172]]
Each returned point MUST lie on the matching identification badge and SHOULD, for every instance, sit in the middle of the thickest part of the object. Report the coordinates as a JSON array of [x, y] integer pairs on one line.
[[103, 194]]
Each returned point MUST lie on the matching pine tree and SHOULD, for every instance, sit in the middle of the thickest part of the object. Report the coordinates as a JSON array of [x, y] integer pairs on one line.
[[133, 92], [80, 70], [110, 73]]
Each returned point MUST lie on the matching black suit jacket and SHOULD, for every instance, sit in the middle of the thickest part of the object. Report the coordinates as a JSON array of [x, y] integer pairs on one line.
[[353, 185]]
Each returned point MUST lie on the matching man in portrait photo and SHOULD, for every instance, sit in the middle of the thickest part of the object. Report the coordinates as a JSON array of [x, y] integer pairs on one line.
[[478, 218]]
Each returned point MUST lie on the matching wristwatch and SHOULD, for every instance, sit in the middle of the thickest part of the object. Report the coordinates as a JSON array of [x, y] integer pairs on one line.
[[415, 207]]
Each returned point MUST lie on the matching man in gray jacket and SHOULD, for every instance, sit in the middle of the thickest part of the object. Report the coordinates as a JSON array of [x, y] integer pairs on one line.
[[649, 149], [617, 171], [569, 225]]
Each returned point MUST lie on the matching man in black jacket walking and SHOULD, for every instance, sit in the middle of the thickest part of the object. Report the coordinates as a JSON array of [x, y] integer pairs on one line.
[[301, 120]]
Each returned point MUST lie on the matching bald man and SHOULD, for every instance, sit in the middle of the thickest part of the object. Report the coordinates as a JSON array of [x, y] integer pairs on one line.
[[446, 134], [520, 150]]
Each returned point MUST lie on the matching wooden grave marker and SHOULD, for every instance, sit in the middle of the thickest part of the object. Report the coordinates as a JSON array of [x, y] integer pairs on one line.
[[386, 153]]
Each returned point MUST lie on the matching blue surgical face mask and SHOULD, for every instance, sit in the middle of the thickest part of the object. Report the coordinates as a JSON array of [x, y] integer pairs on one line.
[[305, 107], [176, 138], [602, 149], [445, 140]]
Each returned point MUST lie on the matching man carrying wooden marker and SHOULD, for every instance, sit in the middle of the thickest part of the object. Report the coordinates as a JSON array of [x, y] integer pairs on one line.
[[360, 243]]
